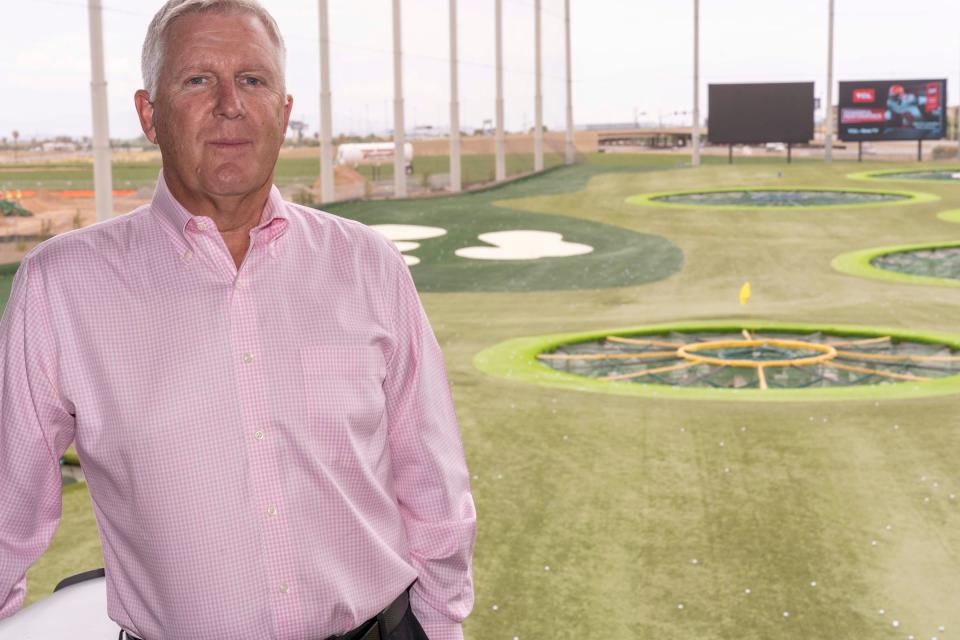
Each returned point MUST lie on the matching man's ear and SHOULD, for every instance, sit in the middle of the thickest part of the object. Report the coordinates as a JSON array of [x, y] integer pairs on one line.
[[287, 110], [145, 111]]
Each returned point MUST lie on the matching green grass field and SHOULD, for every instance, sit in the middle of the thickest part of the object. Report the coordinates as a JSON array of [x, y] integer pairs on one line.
[[303, 171], [600, 515]]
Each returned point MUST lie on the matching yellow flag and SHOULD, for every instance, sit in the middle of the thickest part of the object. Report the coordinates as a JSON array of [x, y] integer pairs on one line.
[[745, 293]]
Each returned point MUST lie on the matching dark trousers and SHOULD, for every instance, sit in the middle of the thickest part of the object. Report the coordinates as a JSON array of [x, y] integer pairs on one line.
[[408, 629]]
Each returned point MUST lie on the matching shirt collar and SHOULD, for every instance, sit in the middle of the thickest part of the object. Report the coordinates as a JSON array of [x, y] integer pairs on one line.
[[273, 220]]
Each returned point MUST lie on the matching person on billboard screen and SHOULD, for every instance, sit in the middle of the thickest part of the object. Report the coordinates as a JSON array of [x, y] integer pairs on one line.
[[915, 110], [902, 107]]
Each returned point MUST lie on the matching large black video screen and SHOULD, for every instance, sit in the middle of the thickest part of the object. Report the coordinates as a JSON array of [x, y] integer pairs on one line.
[[758, 113], [892, 110]]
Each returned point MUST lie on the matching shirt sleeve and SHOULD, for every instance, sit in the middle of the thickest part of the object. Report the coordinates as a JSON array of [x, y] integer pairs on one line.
[[430, 472], [35, 430]]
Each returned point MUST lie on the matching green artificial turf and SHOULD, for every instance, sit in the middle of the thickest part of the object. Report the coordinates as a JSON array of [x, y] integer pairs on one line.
[[657, 199], [619, 495], [860, 263], [950, 216], [619, 257], [516, 359], [75, 546], [903, 174], [7, 272], [289, 171]]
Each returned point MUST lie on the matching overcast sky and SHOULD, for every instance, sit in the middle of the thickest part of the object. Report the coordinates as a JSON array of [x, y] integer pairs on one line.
[[632, 58]]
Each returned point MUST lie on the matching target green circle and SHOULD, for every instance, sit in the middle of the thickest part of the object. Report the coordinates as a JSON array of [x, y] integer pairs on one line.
[[519, 360], [660, 199], [950, 216], [860, 263], [909, 175]]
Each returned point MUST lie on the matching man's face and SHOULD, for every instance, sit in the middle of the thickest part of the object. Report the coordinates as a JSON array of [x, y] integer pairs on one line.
[[219, 113]]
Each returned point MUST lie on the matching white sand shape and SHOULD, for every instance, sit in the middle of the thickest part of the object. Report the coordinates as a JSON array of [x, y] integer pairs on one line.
[[403, 246], [402, 234], [408, 231], [523, 245]]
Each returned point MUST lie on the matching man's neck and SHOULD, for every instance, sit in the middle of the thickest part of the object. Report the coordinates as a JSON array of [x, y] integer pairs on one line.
[[234, 216]]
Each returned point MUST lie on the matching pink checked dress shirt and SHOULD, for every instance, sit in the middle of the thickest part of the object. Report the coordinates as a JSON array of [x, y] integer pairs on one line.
[[271, 451]]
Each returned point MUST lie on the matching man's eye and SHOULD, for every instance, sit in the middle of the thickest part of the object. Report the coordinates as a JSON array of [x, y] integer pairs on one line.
[[195, 80], [251, 82]]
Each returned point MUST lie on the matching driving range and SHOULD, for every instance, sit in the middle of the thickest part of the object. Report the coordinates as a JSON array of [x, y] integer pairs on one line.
[[716, 510]]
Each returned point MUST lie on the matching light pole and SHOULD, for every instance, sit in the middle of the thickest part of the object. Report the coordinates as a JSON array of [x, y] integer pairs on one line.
[[455, 179], [500, 142], [102, 178], [695, 132], [538, 93], [569, 151], [399, 137], [828, 129], [327, 183]]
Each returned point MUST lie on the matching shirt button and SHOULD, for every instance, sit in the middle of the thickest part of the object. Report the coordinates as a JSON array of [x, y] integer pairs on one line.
[[248, 357], [272, 510], [258, 435], [201, 225], [237, 283], [284, 588], [187, 254]]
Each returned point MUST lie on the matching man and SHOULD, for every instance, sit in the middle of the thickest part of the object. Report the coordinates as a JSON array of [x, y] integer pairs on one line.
[[258, 400]]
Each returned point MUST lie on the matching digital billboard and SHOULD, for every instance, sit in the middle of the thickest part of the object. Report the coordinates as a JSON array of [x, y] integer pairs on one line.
[[892, 110], [758, 113]]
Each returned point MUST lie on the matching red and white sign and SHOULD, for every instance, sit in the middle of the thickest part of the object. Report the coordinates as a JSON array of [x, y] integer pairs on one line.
[[933, 96], [861, 96], [857, 116]]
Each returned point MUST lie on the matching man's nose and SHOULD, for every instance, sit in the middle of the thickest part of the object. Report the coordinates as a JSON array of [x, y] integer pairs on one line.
[[229, 103]]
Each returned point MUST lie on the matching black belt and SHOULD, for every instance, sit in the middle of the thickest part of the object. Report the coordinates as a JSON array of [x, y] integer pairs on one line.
[[382, 625], [378, 627]]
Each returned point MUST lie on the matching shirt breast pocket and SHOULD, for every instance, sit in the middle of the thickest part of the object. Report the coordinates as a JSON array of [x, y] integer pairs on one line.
[[343, 387]]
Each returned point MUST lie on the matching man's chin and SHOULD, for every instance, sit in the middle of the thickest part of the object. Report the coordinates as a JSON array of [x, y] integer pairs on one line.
[[233, 186]]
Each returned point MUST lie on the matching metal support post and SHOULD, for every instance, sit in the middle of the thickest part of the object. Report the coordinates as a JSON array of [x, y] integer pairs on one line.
[[102, 171], [399, 136], [327, 182]]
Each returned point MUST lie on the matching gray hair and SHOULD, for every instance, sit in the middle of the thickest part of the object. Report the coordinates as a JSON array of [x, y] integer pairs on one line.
[[154, 45]]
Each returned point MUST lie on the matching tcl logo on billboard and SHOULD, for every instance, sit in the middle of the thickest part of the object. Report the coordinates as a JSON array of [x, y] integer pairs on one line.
[[861, 96]]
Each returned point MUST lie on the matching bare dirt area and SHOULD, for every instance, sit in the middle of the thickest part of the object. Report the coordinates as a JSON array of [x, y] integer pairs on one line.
[[57, 212]]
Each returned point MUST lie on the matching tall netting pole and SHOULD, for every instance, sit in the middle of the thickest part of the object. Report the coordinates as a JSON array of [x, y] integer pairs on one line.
[[327, 184], [695, 131], [500, 140], [538, 93], [102, 176], [569, 151], [828, 129], [399, 136], [455, 179]]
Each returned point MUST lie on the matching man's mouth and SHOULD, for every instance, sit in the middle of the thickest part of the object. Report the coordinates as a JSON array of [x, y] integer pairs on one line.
[[228, 143]]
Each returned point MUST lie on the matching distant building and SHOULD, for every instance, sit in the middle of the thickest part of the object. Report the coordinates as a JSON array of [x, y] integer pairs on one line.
[[59, 145]]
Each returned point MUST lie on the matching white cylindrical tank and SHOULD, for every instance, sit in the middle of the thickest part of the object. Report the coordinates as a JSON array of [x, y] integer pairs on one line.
[[372, 153]]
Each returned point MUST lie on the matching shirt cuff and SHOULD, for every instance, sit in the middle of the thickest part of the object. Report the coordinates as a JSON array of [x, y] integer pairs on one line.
[[436, 625]]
